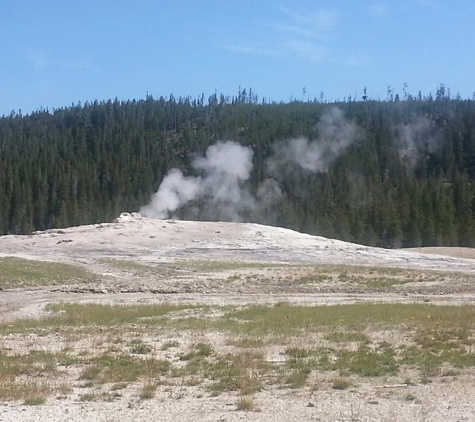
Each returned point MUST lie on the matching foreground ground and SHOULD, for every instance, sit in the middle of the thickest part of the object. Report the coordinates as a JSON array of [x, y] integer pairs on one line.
[[171, 320]]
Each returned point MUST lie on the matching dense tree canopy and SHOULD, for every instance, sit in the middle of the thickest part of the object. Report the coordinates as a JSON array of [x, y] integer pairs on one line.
[[408, 180]]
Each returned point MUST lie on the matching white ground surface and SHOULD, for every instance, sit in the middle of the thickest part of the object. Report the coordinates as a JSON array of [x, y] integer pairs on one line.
[[162, 244]]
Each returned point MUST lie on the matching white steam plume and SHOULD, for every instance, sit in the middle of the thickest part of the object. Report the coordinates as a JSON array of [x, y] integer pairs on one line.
[[174, 192], [219, 194], [415, 139], [335, 134]]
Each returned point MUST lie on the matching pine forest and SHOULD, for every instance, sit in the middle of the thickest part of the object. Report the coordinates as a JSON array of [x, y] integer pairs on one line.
[[404, 179]]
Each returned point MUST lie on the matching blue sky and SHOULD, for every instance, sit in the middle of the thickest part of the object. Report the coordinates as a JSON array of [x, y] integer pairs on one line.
[[55, 53]]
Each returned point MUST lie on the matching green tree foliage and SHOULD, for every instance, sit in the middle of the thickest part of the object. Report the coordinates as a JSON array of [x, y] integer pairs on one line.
[[407, 181]]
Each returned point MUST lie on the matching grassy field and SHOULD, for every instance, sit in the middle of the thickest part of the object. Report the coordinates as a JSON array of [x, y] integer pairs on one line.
[[269, 277], [17, 272], [96, 352]]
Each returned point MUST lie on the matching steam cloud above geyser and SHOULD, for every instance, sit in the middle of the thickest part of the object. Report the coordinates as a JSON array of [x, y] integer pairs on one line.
[[335, 134], [225, 166], [221, 192]]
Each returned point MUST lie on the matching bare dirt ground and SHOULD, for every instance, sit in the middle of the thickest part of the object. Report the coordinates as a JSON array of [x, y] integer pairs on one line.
[[137, 260]]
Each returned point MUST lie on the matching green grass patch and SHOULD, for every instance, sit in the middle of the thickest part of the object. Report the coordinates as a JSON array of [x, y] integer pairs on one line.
[[240, 372], [138, 268], [11, 389], [123, 369], [301, 362], [217, 266], [297, 378], [33, 364], [34, 401], [138, 347], [366, 362], [433, 339], [88, 397], [200, 350], [18, 272], [75, 315], [287, 320], [128, 265], [100, 396], [24, 377], [341, 384]]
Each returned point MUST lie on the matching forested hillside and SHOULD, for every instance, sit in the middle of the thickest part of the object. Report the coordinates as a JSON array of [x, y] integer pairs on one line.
[[407, 179]]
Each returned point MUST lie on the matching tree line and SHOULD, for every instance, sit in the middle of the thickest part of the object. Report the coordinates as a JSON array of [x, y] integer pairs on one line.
[[407, 181]]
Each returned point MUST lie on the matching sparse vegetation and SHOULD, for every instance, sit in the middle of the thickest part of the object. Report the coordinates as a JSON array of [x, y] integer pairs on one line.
[[139, 347], [148, 391], [246, 342], [346, 337], [34, 401], [246, 403], [335, 342], [217, 266], [18, 272], [138, 268], [169, 344], [341, 384]]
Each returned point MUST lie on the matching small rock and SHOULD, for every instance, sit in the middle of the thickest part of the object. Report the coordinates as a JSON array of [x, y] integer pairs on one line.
[[310, 404]]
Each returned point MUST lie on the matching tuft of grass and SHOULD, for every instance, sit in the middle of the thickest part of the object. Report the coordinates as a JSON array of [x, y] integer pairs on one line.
[[198, 351], [88, 397], [297, 378], [299, 353], [204, 349], [169, 344], [148, 391], [119, 386], [104, 396], [91, 373], [341, 384], [246, 403], [34, 401], [138, 347]]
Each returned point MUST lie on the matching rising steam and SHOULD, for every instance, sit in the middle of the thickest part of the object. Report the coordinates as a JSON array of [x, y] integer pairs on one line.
[[415, 138], [334, 134], [221, 192]]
